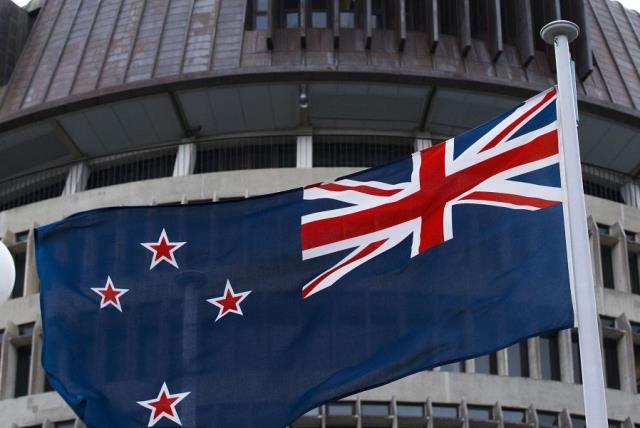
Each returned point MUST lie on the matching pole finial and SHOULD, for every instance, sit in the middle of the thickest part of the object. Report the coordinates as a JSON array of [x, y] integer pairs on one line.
[[559, 28]]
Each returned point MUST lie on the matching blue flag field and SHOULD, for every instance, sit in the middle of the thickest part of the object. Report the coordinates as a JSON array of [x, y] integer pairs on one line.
[[249, 313]]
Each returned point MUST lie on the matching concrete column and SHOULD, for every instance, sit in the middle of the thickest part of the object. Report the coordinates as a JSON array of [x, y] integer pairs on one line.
[[464, 412], [469, 365], [77, 179], [36, 372], [594, 240], [502, 361], [566, 356], [533, 347], [620, 259], [626, 362], [185, 160], [631, 194], [565, 418], [421, 144], [304, 151], [31, 280], [8, 362]]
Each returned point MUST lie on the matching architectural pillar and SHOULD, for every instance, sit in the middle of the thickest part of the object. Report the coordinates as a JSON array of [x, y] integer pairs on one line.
[[185, 160], [76, 179], [304, 151]]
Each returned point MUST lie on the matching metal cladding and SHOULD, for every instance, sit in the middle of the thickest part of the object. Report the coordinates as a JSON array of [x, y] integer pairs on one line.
[[82, 50]]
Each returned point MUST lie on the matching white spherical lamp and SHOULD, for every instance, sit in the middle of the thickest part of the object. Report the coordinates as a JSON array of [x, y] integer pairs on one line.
[[7, 273]]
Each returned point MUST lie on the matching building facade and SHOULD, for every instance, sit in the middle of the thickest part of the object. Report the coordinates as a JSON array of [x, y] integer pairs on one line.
[[134, 102]]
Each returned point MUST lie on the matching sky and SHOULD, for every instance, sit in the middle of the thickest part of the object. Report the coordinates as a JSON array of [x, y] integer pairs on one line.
[[631, 4]]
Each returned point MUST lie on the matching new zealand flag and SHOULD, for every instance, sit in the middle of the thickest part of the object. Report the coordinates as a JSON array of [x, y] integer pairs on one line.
[[249, 313]]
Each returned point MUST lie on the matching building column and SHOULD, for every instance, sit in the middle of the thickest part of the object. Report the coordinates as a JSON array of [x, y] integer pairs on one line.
[[620, 259], [533, 348], [185, 160], [421, 144], [8, 361], [626, 361], [304, 151], [76, 179], [631, 194], [502, 361], [31, 280], [36, 373], [566, 356]]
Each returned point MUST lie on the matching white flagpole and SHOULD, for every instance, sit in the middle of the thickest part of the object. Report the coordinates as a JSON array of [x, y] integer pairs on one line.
[[560, 34]]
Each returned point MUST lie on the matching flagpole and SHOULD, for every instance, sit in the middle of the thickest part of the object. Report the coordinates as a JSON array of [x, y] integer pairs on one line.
[[560, 34]]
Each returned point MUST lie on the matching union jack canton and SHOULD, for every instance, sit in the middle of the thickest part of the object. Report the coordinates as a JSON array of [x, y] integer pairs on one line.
[[382, 215]]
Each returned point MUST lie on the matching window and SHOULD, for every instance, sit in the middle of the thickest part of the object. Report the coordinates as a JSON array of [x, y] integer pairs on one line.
[[548, 419], [340, 409], [487, 364], [23, 363], [258, 15], [635, 329], [348, 13], [634, 273], [22, 236], [608, 322], [64, 424], [550, 357], [410, 410], [518, 359], [445, 411], [517, 416], [457, 367], [415, 15], [348, 150], [382, 14], [290, 17], [612, 372], [313, 412], [578, 421], [374, 409], [480, 413], [615, 424], [575, 352], [20, 261], [606, 257], [319, 14], [447, 16]]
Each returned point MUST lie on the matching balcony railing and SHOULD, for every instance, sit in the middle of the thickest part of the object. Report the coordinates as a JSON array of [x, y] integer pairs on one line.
[[261, 152]]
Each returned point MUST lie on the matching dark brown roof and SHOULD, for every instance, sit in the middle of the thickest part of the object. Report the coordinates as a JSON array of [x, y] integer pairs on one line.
[[84, 50]]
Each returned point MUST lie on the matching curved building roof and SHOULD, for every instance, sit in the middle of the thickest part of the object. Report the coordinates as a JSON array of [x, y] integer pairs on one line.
[[84, 55]]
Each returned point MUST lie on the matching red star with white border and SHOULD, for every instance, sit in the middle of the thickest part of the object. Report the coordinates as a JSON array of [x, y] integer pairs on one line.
[[163, 250], [110, 295], [229, 302], [164, 406]]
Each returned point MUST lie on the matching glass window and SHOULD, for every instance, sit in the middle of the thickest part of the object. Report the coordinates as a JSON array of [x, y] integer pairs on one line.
[[23, 364], [22, 236], [631, 236], [606, 257], [20, 261], [64, 424], [382, 14], [445, 410], [26, 329], [409, 410], [578, 421], [615, 424], [375, 409], [340, 409], [550, 357], [603, 229], [480, 413], [612, 373], [447, 17], [636, 352], [575, 351], [319, 13], [290, 13], [457, 367], [548, 419], [313, 412], [348, 13], [415, 15], [518, 359], [261, 21], [608, 322], [487, 364], [634, 273], [514, 415]]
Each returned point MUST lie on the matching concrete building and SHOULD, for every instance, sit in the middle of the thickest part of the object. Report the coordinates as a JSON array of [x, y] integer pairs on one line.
[[132, 102]]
